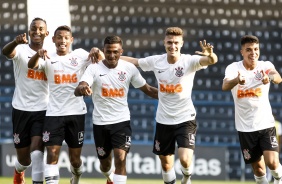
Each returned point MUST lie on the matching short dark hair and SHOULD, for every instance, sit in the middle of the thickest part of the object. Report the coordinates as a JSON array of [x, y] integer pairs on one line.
[[112, 40], [175, 31], [64, 27], [40, 19], [249, 39]]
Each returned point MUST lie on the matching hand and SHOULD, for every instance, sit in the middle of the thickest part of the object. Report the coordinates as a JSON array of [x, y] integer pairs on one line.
[[21, 39], [43, 54], [207, 49], [96, 55], [265, 78], [85, 91], [241, 79]]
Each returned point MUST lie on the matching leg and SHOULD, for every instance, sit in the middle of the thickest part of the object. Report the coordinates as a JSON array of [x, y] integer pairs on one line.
[[36, 154], [22, 163], [76, 164], [168, 171], [51, 169], [259, 171], [185, 156], [272, 161], [120, 165], [106, 169]]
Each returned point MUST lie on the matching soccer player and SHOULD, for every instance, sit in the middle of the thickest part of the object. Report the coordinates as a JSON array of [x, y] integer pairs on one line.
[[249, 82], [108, 81], [65, 113], [176, 115], [29, 102]]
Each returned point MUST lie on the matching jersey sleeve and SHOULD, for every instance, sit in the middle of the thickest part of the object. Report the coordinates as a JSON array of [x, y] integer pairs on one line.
[[89, 75], [147, 63], [268, 67], [231, 71], [137, 80]]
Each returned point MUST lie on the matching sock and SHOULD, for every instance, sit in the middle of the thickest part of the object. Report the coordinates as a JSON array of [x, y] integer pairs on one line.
[[76, 173], [169, 177], [261, 179], [109, 175], [19, 167], [187, 172], [277, 174], [37, 172], [119, 179], [52, 175]]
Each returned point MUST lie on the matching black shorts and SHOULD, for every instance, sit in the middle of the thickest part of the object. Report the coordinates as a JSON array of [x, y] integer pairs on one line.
[[26, 124], [112, 136], [166, 136], [254, 143], [59, 128]]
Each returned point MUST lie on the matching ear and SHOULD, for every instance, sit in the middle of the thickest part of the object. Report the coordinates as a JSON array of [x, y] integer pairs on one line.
[[47, 33], [121, 51], [53, 39]]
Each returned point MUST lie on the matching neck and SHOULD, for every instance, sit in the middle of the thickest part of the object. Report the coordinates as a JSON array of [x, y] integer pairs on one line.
[[35, 47], [172, 59]]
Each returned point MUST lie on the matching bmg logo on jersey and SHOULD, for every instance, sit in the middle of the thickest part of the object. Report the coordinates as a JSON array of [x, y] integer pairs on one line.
[[80, 137]]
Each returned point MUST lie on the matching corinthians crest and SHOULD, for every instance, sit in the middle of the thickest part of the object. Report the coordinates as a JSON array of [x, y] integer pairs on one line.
[[73, 61], [121, 76], [179, 72], [17, 138], [101, 151], [246, 154], [46, 136], [258, 75]]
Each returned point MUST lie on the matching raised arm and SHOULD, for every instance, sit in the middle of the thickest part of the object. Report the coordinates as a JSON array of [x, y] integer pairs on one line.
[[130, 59], [9, 49], [82, 89], [150, 91], [33, 62], [209, 57]]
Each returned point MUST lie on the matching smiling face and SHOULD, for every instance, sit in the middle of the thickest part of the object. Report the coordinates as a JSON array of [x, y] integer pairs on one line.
[[173, 44], [37, 33], [112, 54], [63, 40], [250, 53]]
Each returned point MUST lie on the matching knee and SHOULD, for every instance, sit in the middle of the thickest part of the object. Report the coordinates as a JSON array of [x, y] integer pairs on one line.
[[120, 163], [75, 162], [273, 165], [167, 166], [52, 156], [105, 165]]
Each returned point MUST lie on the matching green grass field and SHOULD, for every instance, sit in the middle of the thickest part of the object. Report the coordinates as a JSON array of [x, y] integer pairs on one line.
[[9, 180]]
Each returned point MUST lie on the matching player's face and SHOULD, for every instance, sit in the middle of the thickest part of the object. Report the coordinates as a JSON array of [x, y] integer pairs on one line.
[[37, 32], [112, 54], [63, 40], [173, 45], [250, 53]]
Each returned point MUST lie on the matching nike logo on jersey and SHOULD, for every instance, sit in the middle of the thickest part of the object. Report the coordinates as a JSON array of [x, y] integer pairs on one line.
[[160, 71], [102, 75], [53, 62], [29, 56]]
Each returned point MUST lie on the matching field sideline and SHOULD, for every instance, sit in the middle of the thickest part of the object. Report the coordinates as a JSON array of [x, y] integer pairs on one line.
[[8, 180]]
